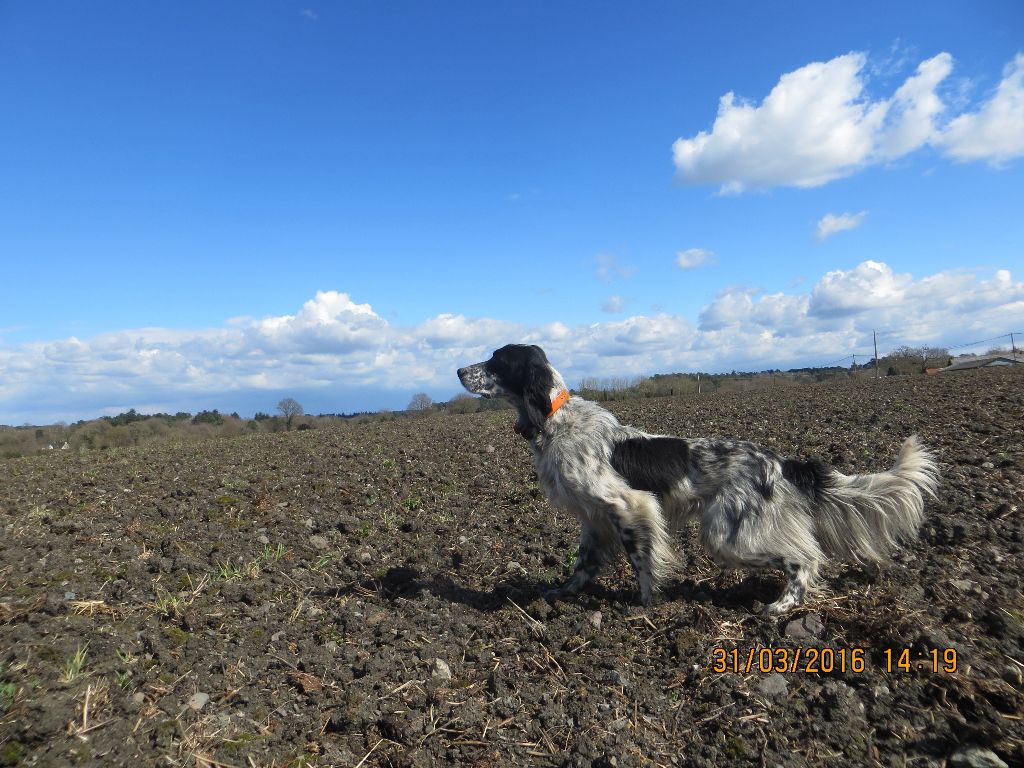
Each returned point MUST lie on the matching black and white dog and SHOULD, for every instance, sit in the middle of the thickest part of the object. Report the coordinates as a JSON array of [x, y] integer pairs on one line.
[[632, 490]]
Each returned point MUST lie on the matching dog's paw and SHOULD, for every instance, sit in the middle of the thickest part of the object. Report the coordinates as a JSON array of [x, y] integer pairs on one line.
[[779, 607]]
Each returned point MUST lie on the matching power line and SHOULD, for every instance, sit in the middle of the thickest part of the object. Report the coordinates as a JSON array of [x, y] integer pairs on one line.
[[895, 334], [834, 362], [983, 341], [872, 356]]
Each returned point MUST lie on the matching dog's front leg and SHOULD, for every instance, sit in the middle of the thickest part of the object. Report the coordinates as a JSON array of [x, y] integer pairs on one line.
[[641, 528], [588, 563]]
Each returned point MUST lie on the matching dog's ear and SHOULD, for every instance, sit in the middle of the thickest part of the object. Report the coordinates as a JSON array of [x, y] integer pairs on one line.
[[537, 385]]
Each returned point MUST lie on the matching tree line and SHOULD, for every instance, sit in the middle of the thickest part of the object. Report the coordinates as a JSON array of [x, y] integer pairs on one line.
[[132, 428]]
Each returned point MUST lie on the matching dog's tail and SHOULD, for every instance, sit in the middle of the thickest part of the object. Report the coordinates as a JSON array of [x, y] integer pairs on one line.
[[861, 517]]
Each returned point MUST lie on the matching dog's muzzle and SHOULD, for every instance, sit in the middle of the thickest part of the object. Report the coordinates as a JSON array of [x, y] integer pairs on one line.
[[475, 379]]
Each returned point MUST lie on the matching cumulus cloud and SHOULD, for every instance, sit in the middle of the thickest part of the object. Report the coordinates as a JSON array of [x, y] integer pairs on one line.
[[995, 132], [819, 124], [829, 224], [445, 330], [851, 302], [692, 258], [844, 306], [912, 111], [334, 349], [813, 127], [870, 285], [329, 322]]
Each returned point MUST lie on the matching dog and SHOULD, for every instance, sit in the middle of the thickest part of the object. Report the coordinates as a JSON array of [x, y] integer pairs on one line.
[[630, 491]]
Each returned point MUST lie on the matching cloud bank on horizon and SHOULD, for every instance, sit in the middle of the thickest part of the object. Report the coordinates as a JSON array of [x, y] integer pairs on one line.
[[333, 345]]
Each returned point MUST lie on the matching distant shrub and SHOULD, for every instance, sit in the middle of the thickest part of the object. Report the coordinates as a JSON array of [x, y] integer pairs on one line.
[[208, 417], [128, 417], [462, 404]]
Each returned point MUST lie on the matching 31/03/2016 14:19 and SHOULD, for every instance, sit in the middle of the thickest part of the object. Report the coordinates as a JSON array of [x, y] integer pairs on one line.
[[827, 660]]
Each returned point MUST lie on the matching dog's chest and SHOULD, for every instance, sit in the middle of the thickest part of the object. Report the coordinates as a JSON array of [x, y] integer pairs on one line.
[[563, 477], [550, 479]]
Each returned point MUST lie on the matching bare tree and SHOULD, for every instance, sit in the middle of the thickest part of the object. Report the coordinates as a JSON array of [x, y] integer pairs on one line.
[[420, 402], [936, 357], [907, 359], [289, 408]]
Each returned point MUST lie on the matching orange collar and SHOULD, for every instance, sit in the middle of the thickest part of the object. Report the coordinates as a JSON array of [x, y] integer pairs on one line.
[[560, 399]]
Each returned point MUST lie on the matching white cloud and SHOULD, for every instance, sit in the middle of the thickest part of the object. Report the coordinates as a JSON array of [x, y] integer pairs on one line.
[[730, 307], [446, 330], [912, 111], [329, 322], [996, 131], [839, 313], [334, 349], [819, 124], [830, 223], [813, 127], [870, 285], [692, 258]]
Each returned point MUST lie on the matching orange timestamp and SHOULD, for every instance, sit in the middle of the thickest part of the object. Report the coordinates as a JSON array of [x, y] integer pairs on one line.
[[828, 660], [932, 660], [799, 659]]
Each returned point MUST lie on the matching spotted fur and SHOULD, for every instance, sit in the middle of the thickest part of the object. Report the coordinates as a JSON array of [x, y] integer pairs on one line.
[[630, 491]]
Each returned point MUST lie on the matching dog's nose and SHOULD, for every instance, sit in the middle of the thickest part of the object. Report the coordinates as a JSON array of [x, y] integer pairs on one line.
[[461, 371]]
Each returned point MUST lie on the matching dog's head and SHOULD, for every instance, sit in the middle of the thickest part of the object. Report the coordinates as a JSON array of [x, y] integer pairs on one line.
[[521, 373]]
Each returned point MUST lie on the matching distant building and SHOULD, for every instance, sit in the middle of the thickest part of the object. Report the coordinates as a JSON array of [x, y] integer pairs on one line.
[[996, 361]]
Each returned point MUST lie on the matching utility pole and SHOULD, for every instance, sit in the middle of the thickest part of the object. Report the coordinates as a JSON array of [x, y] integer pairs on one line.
[[1013, 346], [875, 337]]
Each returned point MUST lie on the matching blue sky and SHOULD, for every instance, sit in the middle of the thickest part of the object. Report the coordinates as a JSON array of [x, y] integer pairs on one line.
[[220, 204]]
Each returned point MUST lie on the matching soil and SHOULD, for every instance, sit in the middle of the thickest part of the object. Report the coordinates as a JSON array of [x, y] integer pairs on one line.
[[370, 595]]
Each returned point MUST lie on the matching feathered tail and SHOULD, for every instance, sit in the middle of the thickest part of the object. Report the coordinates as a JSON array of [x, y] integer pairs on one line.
[[861, 517]]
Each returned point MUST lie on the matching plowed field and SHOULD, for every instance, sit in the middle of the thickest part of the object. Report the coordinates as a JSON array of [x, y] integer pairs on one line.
[[370, 595]]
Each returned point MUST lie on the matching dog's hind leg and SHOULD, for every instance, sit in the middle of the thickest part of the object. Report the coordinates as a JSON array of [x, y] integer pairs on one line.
[[589, 560], [769, 538], [800, 576]]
